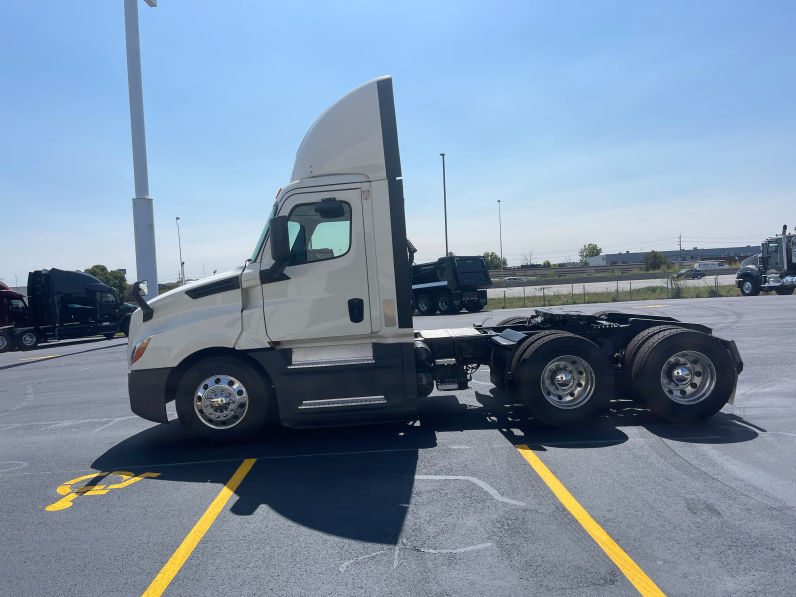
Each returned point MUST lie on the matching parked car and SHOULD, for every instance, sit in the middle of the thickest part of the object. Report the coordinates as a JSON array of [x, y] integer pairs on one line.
[[514, 279], [690, 274]]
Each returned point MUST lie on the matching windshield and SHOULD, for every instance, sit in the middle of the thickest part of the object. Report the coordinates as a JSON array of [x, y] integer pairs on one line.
[[264, 234]]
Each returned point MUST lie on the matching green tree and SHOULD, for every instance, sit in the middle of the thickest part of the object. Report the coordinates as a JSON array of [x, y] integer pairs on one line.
[[493, 260], [546, 263], [655, 261], [113, 278], [589, 250]]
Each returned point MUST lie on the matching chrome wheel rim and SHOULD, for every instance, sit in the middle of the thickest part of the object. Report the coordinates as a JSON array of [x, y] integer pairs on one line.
[[688, 377], [443, 303], [568, 382], [221, 402], [422, 304], [747, 287], [28, 339], [3, 342]]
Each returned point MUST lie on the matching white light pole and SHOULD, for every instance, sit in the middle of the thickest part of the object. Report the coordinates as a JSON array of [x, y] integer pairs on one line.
[[179, 244], [445, 203], [500, 224], [143, 216]]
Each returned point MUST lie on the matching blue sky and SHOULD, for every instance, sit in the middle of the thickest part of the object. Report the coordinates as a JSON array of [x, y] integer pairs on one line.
[[620, 123]]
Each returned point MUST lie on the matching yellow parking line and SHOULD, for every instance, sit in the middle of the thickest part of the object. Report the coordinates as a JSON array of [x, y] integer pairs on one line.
[[629, 568], [180, 556], [52, 356]]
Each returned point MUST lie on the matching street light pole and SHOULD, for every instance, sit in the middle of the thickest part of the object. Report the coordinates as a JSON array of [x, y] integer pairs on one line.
[[445, 204], [143, 216], [500, 225], [179, 244]]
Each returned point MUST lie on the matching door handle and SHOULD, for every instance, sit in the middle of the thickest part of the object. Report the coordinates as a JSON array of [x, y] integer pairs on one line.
[[356, 310]]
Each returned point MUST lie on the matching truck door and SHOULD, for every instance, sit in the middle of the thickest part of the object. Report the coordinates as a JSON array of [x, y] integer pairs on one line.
[[110, 309], [324, 290]]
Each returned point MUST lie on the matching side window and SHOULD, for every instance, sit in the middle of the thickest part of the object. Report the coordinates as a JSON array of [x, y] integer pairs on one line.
[[313, 238], [17, 306], [107, 299], [773, 248]]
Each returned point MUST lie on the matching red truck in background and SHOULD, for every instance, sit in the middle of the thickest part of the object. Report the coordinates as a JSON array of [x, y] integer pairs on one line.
[[13, 315]]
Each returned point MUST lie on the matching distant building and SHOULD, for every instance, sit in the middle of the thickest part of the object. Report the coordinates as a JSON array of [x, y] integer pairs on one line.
[[695, 254]]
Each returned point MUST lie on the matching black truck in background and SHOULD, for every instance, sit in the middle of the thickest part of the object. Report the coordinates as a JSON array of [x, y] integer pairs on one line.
[[65, 305], [450, 284]]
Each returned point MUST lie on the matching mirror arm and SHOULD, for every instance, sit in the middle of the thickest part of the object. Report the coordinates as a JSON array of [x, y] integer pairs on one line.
[[139, 300]]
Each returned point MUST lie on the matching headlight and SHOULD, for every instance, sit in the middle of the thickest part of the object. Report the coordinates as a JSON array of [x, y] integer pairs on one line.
[[139, 349]]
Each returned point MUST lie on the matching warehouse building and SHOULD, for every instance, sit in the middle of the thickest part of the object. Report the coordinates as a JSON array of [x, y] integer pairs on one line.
[[695, 254]]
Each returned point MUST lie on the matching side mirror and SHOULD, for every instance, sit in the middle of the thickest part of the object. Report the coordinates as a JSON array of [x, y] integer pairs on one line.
[[280, 249], [140, 288]]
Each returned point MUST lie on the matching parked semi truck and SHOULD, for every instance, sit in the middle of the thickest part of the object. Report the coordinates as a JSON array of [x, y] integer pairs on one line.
[[450, 284], [61, 305], [773, 269], [316, 327]]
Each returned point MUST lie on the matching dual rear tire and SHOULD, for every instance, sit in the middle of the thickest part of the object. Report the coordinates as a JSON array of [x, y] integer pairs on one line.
[[682, 375], [564, 380]]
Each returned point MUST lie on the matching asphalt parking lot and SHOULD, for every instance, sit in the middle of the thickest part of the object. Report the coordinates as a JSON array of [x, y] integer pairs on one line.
[[99, 502]]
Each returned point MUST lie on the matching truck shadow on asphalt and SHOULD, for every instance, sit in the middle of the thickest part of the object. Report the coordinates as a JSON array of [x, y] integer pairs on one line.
[[357, 482]]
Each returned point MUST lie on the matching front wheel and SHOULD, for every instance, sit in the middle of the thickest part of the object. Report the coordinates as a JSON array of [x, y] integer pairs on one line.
[[26, 339], [749, 286], [222, 400], [787, 291]]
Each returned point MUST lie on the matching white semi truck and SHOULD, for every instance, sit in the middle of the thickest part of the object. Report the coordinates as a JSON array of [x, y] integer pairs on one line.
[[316, 328]]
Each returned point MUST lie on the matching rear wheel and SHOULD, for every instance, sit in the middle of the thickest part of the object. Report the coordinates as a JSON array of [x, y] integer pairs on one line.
[[784, 291], [564, 379], [26, 339], [445, 303], [749, 286], [629, 358], [6, 343], [474, 307], [685, 376], [109, 336], [222, 400], [125, 327], [425, 306]]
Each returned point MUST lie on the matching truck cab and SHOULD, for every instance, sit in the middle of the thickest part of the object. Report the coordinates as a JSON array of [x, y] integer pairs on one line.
[[772, 269]]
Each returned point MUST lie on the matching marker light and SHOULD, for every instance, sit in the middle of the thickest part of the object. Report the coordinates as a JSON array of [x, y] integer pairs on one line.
[[139, 349]]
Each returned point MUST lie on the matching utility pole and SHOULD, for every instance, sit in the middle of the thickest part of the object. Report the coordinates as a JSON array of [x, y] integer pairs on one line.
[[179, 244], [500, 224], [143, 215], [680, 250], [445, 204]]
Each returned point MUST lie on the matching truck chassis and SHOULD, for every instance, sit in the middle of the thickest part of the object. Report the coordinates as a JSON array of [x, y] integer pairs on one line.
[[566, 366]]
